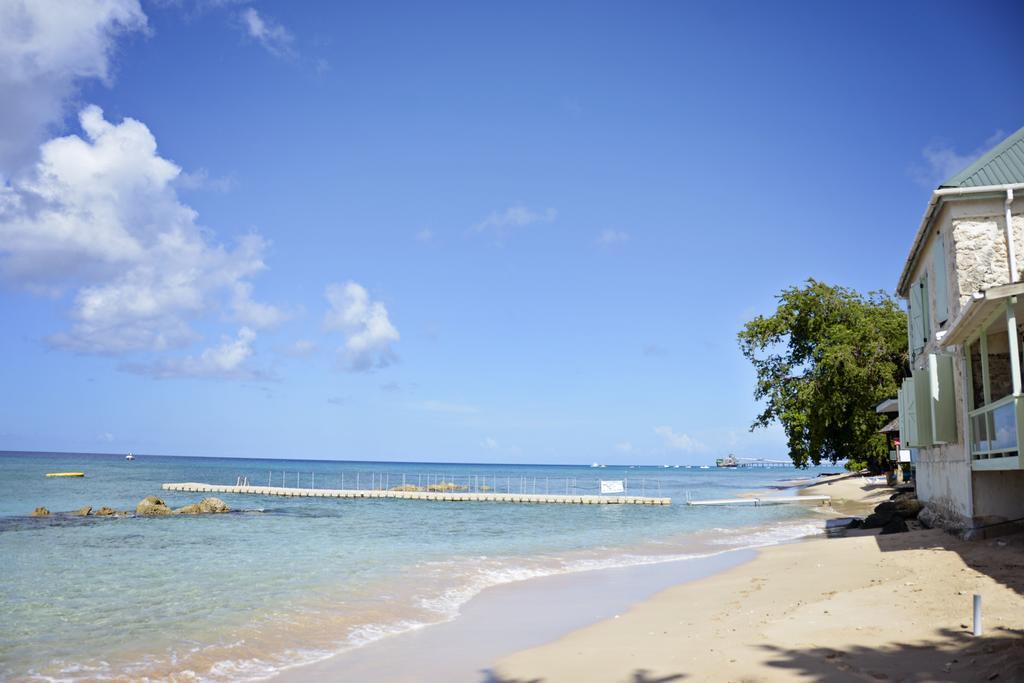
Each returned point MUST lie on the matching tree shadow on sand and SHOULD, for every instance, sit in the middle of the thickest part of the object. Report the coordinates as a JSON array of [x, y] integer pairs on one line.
[[639, 676], [952, 656]]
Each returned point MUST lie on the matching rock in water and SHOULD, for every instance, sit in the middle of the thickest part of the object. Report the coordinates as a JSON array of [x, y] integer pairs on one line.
[[206, 505], [105, 512], [213, 505], [151, 506], [83, 511], [40, 512]]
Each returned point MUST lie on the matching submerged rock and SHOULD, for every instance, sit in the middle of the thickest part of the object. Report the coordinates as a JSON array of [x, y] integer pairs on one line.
[[206, 505], [40, 512], [151, 506], [105, 512], [83, 511]]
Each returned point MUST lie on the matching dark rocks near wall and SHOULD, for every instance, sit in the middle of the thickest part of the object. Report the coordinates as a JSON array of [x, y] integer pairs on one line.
[[892, 515], [896, 525]]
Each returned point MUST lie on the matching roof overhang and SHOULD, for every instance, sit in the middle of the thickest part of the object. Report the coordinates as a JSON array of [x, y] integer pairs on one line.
[[978, 311], [890, 428], [938, 198], [889, 405]]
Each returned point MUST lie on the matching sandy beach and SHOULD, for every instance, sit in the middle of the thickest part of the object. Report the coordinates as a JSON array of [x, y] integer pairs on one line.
[[862, 607]]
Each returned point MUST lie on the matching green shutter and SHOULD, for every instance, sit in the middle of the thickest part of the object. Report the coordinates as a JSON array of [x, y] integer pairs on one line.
[[943, 403], [914, 309], [941, 281], [926, 326], [922, 408], [909, 414]]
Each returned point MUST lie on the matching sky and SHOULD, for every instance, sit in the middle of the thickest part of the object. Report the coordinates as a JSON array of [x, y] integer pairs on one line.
[[519, 232]]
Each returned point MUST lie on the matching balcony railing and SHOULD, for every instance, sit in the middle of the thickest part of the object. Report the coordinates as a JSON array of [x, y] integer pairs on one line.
[[994, 428]]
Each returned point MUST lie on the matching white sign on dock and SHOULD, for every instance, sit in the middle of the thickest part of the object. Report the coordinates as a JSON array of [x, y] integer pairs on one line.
[[613, 486]]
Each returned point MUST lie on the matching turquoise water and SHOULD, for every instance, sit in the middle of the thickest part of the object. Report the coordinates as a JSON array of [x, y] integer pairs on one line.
[[282, 581]]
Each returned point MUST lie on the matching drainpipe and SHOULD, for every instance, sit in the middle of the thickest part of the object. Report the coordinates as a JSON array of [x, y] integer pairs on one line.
[[1014, 273]]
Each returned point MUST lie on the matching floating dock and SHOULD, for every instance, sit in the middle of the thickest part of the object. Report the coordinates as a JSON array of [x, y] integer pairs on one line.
[[452, 496], [768, 500]]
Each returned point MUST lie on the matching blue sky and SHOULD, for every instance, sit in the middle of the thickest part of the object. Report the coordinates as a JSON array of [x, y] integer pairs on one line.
[[466, 232]]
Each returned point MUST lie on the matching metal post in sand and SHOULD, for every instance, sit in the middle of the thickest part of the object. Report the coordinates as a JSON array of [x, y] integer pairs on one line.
[[977, 615]]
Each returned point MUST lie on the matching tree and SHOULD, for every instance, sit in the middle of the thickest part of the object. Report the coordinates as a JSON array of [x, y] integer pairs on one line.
[[824, 360]]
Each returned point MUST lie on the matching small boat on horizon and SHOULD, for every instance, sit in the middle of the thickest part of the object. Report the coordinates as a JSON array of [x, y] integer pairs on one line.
[[129, 457]]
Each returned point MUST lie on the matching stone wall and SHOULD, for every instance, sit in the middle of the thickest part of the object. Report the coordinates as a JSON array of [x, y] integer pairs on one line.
[[978, 254]]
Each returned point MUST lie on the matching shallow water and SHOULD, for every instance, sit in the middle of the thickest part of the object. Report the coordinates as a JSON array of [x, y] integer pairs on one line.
[[285, 580]]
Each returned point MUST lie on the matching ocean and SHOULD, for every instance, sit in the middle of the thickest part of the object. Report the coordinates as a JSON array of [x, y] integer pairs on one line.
[[284, 581]]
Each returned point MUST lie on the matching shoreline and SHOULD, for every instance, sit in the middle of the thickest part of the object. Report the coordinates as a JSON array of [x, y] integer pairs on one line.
[[503, 619], [438, 652]]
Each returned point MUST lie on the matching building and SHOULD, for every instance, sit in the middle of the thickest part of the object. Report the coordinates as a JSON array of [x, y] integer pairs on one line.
[[962, 410]]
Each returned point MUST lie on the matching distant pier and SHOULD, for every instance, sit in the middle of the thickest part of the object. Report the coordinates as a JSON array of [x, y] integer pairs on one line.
[[446, 496]]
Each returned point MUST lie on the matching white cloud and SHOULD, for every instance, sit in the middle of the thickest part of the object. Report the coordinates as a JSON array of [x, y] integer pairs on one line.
[[271, 35], [425, 235], [225, 361], [942, 161], [254, 313], [679, 442], [490, 443], [368, 332], [200, 179], [609, 237], [45, 47], [517, 216], [100, 216], [624, 447], [450, 408], [301, 348]]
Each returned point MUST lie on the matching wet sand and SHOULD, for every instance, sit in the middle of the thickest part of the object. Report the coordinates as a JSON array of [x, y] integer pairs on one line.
[[507, 618]]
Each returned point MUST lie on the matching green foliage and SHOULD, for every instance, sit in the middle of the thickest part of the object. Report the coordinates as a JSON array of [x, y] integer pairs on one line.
[[824, 360]]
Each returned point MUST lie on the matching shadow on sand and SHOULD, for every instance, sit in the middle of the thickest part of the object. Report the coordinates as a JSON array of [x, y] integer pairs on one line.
[[949, 656]]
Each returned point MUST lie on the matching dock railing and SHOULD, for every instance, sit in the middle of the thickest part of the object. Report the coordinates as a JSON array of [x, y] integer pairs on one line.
[[443, 486], [441, 482]]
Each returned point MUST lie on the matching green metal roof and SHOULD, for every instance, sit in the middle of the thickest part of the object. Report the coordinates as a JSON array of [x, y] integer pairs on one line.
[[1001, 165]]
